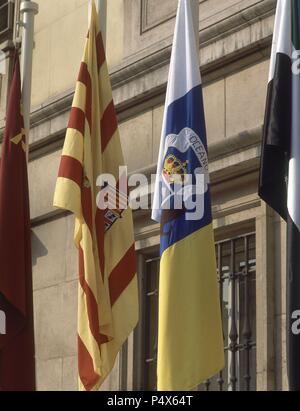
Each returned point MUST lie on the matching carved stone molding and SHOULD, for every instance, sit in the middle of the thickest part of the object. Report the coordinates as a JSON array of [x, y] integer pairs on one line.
[[152, 16], [150, 27], [140, 84], [247, 142]]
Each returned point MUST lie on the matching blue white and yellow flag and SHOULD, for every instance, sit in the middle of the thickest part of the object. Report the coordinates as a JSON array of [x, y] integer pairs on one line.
[[190, 338]]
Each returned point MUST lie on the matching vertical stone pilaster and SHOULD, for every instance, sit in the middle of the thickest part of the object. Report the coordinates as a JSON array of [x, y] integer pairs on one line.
[[280, 305], [265, 296]]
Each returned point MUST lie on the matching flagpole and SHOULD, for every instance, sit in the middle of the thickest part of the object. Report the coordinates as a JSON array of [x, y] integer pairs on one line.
[[28, 9], [102, 10]]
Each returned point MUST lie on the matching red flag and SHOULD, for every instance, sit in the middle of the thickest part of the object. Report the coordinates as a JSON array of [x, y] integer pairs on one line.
[[17, 367]]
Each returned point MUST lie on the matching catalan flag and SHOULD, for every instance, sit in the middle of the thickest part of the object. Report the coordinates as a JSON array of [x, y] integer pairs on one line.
[[279, 184], [108, 295], [17, 366], [190, 338]]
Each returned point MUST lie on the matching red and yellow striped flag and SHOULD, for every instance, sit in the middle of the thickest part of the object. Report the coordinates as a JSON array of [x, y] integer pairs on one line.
[[108, 293]]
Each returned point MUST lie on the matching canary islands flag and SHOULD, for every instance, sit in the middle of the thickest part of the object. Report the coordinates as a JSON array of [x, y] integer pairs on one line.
[[190, 338]]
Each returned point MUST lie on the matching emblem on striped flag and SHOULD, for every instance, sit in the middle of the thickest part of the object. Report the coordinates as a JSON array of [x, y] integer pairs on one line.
[[108, 293]]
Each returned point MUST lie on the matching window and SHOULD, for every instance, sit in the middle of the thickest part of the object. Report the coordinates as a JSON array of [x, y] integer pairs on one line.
[[151, 322], [6, 19], [237, 265], [236, 273]]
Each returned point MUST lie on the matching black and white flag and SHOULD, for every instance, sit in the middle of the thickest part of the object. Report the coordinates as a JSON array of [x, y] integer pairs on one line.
[[279, 182]]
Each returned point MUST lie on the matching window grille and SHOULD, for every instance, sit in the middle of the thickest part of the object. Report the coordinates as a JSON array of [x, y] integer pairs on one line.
[[237, 276]]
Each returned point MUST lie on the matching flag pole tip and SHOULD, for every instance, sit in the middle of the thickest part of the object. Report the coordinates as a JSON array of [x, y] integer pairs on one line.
[[29, 6]]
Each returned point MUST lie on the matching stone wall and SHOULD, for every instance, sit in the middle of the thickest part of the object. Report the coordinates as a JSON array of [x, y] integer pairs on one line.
[[235, 39]]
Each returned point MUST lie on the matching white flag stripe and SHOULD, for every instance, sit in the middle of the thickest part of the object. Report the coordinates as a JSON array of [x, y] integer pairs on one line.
[[293, 200], [184, 75], [184, 66], [282, 42]]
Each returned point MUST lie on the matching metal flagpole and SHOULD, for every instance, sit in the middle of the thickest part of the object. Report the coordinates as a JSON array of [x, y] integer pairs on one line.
[[102, 8], [28, 9]]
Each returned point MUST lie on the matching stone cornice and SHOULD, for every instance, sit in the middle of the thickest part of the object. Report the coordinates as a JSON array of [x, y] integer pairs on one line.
[[230, 146], [147, 60], [221, 169], [134, 84]]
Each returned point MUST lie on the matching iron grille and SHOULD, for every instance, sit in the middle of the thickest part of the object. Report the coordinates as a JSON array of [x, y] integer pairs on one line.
[[236, 274]]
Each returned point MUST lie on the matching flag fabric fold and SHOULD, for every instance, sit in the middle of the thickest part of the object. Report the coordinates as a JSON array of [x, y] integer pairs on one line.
[[107, 296], [17, 365], [190, 338], [279, 184]]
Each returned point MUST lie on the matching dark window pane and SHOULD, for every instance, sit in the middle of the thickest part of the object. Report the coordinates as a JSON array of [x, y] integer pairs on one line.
[[6, 20], [3, 17]]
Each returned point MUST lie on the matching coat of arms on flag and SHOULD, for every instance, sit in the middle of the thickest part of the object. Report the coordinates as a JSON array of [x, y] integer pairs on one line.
[[107, 294], [190, 339]]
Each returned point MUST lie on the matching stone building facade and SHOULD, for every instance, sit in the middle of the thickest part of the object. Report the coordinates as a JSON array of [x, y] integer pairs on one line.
[[235, 42]]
